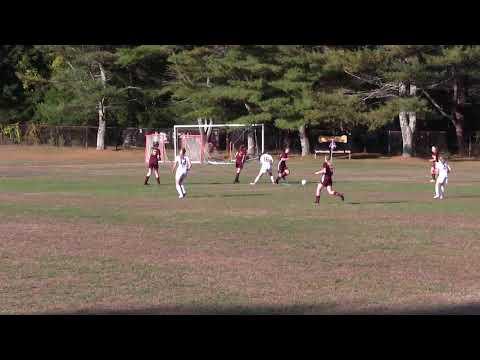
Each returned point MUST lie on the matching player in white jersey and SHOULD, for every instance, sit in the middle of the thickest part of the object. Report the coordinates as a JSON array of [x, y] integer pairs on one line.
[[182, 164], [442, 169], [266, 162]]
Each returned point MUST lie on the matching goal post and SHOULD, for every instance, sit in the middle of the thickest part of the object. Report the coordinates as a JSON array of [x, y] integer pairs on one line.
[[222, 142]]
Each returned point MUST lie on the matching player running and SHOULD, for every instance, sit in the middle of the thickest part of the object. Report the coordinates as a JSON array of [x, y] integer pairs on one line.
[[283, 171], [153, 165], [326, 181], [182, 164], [442, 169], [434, 160], [240, 158], [266, 162]]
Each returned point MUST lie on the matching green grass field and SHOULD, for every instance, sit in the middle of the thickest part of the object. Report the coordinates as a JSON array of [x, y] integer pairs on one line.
[[79, 233]]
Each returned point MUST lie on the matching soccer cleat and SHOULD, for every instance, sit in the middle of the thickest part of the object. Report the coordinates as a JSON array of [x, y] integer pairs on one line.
[[181, 197], [441, 197], [252, 183], [436, 197], [431, 180], [342, 197]]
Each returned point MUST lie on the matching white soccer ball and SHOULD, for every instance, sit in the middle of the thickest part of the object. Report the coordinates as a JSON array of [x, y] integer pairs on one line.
[[304, 182]]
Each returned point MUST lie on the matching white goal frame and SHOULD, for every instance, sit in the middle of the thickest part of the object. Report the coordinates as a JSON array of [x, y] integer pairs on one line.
[[195, 126]]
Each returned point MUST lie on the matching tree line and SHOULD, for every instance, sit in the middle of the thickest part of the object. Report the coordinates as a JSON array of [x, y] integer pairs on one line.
[[295, 87]]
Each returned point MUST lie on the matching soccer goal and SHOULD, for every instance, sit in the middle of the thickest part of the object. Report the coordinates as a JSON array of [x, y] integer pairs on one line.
[[217, 144]]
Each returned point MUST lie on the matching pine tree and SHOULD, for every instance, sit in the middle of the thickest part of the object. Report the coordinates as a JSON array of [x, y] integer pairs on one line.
[[81, 86]]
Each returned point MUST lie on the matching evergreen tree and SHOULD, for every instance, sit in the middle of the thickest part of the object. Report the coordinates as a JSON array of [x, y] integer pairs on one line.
[[82, 87]]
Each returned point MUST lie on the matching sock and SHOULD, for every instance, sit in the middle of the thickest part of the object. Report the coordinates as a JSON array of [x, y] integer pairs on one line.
[[236, 177], [179, 190], [277, 179], [317, 199], [433, 176], [183, 189], [158, 180], [146, 180]]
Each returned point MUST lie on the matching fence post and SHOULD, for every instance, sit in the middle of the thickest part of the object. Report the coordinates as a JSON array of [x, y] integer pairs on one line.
[[389, 148], [469, 146], [86, 137]]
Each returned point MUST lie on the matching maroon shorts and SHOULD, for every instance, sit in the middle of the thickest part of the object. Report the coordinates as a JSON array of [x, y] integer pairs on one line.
[[327, 181], [239, 165], [282, 168], [153, 165]]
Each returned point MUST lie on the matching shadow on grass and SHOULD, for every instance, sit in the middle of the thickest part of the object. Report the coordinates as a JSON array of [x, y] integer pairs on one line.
[[226, 195], [320, 309], [380, 202], [464, 196], [364, 156], [242, 195]]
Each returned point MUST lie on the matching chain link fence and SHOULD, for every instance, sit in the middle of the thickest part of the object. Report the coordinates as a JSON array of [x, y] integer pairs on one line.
[[389, 142], [76, 136]]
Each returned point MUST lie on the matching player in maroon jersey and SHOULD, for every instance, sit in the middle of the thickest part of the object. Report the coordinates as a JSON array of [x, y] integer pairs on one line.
[[283, 170], [240, 157], [326, 181], [434, 160], [153, 164]]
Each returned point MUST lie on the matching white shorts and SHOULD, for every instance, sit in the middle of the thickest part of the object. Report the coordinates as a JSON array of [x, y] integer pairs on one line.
[[265, 169], [442, 180], [179, 175]]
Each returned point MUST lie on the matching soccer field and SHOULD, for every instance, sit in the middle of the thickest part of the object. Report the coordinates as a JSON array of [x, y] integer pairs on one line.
[[80, 233]]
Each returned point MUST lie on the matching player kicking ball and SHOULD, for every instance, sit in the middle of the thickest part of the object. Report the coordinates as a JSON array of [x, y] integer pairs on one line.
[[442, 169], [326, 181], [266, 162], [153, 165], [283, 170], [182, 165], [240, 158]]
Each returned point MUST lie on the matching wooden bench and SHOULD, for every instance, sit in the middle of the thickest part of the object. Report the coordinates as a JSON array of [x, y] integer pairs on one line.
[[337, 139]]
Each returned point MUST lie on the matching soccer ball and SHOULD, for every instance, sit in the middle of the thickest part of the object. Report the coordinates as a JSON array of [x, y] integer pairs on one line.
[[304, 182]]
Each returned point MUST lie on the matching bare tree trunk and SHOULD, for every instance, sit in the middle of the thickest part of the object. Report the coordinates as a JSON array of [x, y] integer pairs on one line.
[[406, 135], [408, 123], [101, 126], [458, 117], [101, 114], [250, 143], [304, 141], [205, 130]]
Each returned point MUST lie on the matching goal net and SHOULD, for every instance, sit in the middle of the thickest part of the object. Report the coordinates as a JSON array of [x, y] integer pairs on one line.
[[217, 144]]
